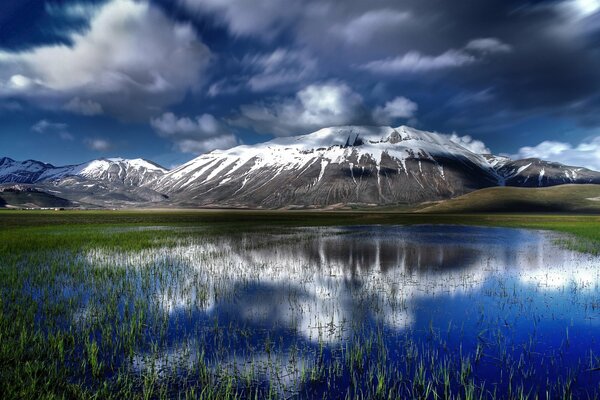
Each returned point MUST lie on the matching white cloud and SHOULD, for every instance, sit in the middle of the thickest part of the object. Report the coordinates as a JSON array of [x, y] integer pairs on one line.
[[56, 128], [98, 144], [249, 17], [201, 134], [363, 28], [466, 141], [400, 107], [44, 126], [413, 61], [133, 59], [488, 45], [313, 107], [578, 9], [170, 125], [84, 107], [199, 146], [278, 68], [585, 154]]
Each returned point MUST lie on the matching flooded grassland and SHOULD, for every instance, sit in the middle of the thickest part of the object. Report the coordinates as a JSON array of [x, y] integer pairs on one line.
[[381, 311]]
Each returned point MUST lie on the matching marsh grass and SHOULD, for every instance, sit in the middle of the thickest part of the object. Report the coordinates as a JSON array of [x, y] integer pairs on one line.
[[106, 308]]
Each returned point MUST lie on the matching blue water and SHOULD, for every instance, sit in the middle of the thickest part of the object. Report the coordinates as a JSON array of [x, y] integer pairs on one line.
[[512, 306]]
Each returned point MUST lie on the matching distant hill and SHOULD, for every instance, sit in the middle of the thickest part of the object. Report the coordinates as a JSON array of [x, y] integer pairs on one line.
[[563, 198], [31, 198]]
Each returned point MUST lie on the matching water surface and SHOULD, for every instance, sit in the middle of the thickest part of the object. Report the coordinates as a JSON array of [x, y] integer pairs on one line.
[[422, 311]]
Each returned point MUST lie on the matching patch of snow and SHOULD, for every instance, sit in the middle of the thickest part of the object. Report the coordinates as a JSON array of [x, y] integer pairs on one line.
[[523, 168]]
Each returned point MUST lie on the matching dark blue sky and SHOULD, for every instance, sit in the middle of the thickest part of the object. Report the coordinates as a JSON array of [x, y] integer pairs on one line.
[[167, 80]]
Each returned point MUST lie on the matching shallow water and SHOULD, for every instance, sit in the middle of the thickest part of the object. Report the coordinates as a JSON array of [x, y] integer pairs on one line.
[[338, 311]]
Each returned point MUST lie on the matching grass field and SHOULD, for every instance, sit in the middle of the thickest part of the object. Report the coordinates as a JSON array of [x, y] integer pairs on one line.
[[45, 281], [584, 228]]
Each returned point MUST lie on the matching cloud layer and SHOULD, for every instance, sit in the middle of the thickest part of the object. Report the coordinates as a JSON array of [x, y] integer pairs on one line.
[[313, 107], [494, 69], [585, 154], [133, 60], [199, 135]]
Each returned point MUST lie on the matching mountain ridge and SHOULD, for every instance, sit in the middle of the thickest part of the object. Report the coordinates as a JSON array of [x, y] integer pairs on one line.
[[346, 164]]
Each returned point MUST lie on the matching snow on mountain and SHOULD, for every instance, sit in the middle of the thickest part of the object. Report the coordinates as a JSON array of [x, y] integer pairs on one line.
[[29, 171], [104, 182], [348, 164], [342, 164], [533, 172], [333, 145], [137, 172]]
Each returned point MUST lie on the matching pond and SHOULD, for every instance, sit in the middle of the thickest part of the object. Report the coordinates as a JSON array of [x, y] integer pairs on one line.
[[427, 311]]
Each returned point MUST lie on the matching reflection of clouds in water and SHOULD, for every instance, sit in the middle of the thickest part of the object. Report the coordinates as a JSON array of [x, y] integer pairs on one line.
[[323, 284], [553, 268], [283, 368]]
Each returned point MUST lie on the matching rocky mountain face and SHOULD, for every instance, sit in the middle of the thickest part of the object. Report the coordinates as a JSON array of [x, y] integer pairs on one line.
[[104, 182], [378, 165], [533, 172], [112, 170], [362, 165]]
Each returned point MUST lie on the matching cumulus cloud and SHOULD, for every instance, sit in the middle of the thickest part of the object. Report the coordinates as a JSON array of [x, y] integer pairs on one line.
[[585, 154], [98, 144], [198, 135], [133, 60], [320, 105], [84, 107], [466, 141], [316, 106], [400, 107]]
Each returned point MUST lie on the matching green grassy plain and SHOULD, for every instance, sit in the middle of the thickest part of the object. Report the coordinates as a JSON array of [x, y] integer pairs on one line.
[[19, 225]]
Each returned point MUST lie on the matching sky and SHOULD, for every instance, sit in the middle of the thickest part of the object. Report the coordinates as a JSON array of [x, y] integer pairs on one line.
[[168, 80]]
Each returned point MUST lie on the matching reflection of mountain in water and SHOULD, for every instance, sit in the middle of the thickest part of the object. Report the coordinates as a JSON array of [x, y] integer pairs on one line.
[[359, 255], [417, 249], [323, 283]]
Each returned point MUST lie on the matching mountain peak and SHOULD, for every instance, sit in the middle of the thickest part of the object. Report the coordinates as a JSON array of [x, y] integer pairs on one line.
[[138, 163]]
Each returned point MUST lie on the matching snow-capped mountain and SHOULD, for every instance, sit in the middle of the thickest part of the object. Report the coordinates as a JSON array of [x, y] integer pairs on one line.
[[106, 182], [351, 164], [137, 172], [373, 165], [533, 172]]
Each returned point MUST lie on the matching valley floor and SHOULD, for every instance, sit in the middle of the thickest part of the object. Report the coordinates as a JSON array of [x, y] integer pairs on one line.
[[585, 229]]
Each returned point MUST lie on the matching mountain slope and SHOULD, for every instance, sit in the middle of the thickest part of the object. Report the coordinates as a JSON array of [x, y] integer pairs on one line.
[[372, 165], [137, 172], [18, 196], [563, 198], [352, 165], [533, 172], [112, 182]]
